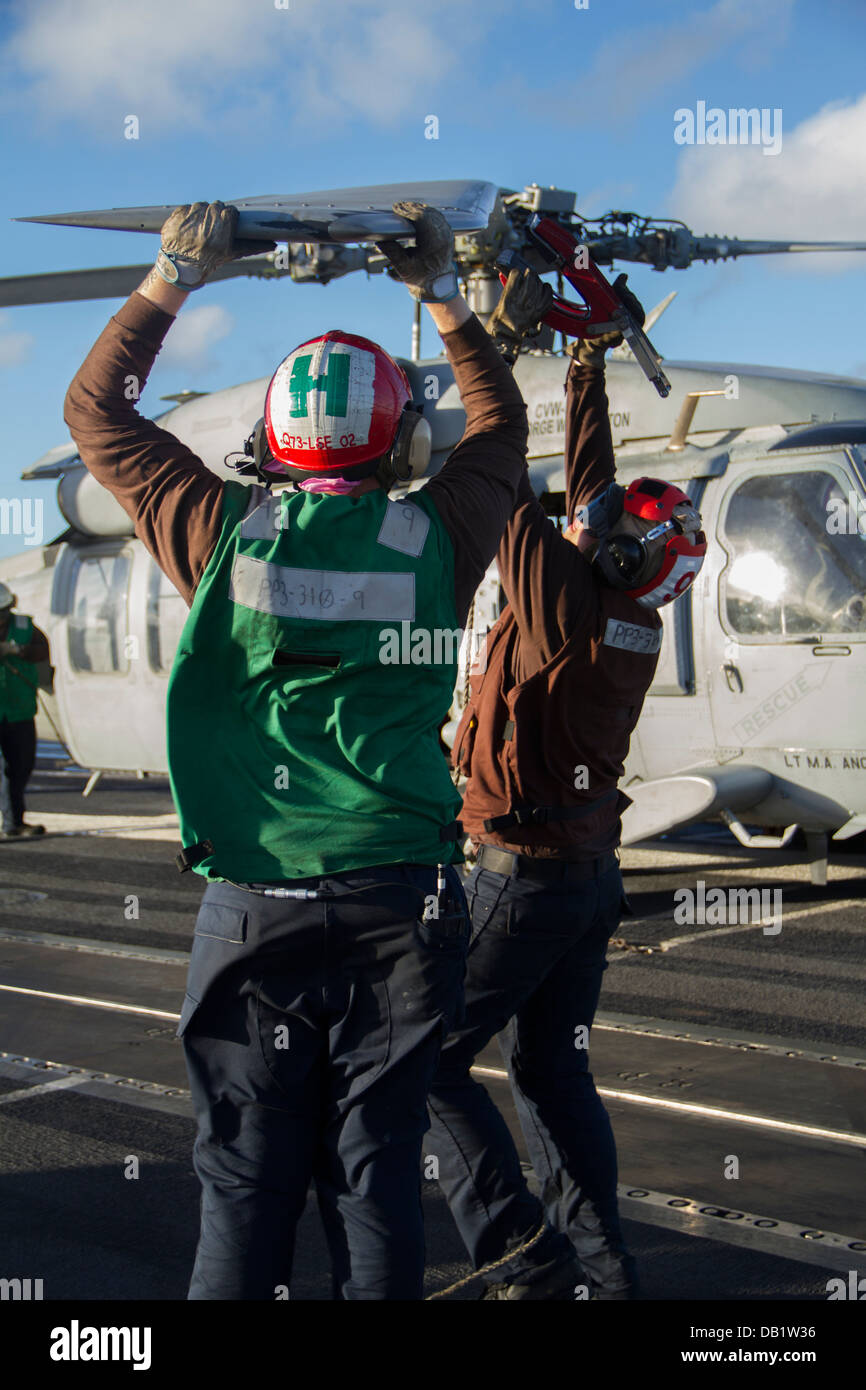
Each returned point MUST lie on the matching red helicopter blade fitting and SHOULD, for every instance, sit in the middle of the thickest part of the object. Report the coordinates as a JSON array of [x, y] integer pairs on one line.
[[601, 310]]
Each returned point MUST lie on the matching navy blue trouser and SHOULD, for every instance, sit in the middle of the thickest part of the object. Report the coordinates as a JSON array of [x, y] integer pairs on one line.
[[311, 1032], [533, 974], [18, 751]]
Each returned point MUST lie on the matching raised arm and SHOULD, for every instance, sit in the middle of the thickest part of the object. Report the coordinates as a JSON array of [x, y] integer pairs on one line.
[[547, 581], [590, 466], [172, 498], [475, 490]]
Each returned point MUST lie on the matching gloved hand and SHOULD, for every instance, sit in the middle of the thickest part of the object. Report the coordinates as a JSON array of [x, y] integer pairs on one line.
[[524, 301], [427, 269], [8, 649], [589, 352], [198, 237]]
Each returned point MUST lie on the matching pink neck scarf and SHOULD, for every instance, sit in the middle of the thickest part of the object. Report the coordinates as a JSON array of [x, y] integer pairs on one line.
[[336, 485]]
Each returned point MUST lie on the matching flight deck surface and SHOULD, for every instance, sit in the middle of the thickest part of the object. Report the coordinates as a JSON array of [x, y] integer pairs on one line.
[[712, 1044]]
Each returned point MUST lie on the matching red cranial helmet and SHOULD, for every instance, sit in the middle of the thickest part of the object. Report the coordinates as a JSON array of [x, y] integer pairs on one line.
[[650, 539], [335, 402]]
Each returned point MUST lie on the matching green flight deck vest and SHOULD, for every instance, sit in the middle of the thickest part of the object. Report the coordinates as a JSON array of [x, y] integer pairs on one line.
[[316, 666], [18, 688]]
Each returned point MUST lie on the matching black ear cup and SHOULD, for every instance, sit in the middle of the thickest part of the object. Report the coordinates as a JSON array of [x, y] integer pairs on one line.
[[628, 556], [621, 558], [257, 446], [257, 451]]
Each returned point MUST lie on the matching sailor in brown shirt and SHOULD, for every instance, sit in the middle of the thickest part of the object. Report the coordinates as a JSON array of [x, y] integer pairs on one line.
[[542, 743]]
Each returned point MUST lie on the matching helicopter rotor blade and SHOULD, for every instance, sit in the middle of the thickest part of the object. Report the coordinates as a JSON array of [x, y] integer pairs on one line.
[[665, 246], [108, 282], [655, 314], [623, 353], [721, 248], [333, 215]]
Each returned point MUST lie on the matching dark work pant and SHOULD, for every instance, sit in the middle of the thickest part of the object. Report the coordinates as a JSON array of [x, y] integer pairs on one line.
[[312, 1031], [533, 973], [18, 750]]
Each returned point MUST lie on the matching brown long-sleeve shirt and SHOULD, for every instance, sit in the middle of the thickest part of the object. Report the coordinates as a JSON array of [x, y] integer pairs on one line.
[[175, 501], [568, 665]]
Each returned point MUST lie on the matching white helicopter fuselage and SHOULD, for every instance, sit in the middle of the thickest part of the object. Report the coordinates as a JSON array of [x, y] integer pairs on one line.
[[754, 711]]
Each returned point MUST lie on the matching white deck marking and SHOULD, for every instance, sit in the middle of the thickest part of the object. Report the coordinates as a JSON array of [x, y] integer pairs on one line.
[[82, 1001], [65, 823], [62, 1083], [710, 1112], [703, 1036], [85, 944]]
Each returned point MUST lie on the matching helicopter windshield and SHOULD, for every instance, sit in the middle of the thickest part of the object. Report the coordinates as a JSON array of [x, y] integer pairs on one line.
[[797, 546], [97, 619], [166, 615]]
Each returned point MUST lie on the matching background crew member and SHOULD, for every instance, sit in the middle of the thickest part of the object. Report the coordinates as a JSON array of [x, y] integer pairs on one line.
[[543, 741], [304, 764], [22, 644]]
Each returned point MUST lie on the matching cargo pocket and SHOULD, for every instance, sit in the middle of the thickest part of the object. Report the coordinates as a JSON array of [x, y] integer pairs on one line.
[[486, 900], [220, 932], [448, 932], [221, 923], [190, 1006]]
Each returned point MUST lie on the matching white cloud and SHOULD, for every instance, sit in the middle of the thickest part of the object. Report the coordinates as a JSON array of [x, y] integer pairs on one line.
[[202, 63], [14, 346], [193, 335], [813, 190], [631, 69]]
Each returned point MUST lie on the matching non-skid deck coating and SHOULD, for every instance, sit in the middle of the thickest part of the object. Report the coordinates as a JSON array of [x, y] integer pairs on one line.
[[94, 932]]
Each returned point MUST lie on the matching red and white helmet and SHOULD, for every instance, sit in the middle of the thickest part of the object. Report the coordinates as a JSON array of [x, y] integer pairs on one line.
[[335, 402], [650, 540]]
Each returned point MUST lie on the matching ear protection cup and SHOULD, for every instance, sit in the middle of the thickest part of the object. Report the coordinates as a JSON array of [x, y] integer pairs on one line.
[[257, 447], [410, 453], [257, 450], [622, 559]]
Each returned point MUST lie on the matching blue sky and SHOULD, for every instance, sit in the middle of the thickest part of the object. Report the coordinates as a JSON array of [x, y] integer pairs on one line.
[[239, 97]]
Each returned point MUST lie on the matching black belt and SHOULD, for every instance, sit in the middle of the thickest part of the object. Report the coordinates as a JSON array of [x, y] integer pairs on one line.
[[505, 861], [544, 815]]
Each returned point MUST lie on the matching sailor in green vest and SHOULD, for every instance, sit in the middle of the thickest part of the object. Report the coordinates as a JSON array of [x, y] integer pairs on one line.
[[21, 646], [311, 679]]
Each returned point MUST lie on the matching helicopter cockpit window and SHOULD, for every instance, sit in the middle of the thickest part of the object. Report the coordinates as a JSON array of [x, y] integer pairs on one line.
[[796, 564], [97, 620], [166, 616]]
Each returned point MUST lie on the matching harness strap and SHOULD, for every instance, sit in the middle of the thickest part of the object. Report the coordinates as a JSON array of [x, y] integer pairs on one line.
[[542, 815], [454, 831], [191, 855]]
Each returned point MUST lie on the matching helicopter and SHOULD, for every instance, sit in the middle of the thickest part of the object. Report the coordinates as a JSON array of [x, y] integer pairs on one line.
[[753, 716]]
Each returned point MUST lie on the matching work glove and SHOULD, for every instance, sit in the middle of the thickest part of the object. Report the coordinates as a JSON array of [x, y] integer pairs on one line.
[[524, 301], [8, 649], [199, 237], [427, 269], [589, 352]]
